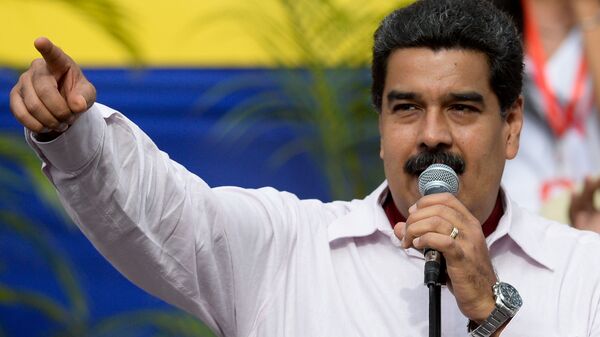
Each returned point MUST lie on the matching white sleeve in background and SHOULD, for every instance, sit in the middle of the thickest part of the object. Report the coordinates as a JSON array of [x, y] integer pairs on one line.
[[163, 227]]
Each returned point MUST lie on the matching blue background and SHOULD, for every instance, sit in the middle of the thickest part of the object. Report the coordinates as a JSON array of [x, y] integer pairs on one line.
[[168, 104]]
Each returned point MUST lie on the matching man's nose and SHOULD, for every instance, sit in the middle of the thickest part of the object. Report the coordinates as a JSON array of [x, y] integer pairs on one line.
[[435, 130]]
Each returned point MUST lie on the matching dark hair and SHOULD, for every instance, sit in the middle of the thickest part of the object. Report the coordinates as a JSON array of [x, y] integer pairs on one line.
[[514, 9], [453, 24]]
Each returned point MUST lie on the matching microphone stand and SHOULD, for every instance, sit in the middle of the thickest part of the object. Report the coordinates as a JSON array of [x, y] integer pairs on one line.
[[434, 264], [435, 319]]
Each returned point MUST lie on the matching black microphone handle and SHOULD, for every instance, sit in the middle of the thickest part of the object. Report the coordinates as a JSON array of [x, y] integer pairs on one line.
[[435, 265]]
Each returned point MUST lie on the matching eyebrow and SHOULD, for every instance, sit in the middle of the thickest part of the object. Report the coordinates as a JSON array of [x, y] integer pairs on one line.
[[401, 95], [467, 96], [470, 96]]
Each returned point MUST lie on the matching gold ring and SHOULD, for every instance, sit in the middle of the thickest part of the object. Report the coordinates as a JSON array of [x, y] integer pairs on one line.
[[454, 233]]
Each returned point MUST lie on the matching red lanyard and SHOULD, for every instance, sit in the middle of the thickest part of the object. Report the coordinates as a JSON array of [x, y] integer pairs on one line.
[[559, 118]]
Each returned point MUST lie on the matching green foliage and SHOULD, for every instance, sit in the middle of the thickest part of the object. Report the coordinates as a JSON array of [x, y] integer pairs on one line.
[[324, 81], [20, 170], [323, 51], [14, 149], [67, 311], [60, 266], [162, 323]]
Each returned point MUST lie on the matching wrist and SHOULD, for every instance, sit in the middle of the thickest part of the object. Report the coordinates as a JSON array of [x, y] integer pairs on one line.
[[45, 137], [484, 311]]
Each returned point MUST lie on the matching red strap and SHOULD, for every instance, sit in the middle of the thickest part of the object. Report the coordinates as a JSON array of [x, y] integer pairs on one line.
[[391, 211], [560, 119]]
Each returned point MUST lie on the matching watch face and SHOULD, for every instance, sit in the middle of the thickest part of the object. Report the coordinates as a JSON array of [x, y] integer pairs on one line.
[[510, 296]]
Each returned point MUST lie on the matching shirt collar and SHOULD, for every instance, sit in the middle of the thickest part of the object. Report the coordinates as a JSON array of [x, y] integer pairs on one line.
[[365, 218], [527, 230], [368, 217]]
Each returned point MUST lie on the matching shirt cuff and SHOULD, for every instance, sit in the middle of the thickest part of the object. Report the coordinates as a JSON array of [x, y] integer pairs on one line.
[[72, 150]]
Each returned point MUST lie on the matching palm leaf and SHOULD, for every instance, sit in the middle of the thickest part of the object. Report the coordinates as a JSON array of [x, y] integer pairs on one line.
[[161, 322], [331, 42], [47, 306], [14, 149], [59, 264]]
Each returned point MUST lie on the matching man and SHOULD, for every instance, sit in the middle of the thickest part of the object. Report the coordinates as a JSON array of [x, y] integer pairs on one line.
[[446, 83]]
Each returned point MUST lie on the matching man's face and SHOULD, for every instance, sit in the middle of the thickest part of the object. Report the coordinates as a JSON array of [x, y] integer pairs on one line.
[[441, 102]]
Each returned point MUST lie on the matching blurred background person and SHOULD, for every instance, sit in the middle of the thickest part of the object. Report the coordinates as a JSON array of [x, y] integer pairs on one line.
[[556, 170]]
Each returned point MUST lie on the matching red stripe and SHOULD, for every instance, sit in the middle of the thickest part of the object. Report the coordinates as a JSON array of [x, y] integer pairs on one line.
[[560, 119]]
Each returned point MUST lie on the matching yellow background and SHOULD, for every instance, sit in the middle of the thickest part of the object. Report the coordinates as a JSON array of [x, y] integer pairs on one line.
[[164, 30]]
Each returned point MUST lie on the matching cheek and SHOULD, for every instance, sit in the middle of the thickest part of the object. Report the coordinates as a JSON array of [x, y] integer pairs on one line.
[[388, 149], [398, 142], [482, 153], [392, 145]]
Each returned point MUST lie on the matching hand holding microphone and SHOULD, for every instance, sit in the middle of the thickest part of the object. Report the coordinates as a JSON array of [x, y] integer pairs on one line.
[[441, 224]]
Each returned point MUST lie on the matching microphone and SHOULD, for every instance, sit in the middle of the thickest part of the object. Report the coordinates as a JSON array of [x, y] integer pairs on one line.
[[437, 178]]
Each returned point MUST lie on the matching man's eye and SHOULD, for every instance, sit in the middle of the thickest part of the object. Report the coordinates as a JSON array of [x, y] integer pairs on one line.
[[463, 108], [404, 107]]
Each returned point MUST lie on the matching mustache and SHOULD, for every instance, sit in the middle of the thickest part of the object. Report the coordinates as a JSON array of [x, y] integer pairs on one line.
[[416, 164]]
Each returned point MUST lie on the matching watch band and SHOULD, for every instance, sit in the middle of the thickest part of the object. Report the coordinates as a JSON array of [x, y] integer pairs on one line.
[[491, 324]]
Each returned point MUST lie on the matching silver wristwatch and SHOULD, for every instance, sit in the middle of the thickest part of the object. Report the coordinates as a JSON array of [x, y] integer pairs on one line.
[[508, 302]]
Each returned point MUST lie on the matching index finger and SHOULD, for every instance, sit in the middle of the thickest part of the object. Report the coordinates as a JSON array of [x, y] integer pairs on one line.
[[56, 60], [446, 199], [448, 207]]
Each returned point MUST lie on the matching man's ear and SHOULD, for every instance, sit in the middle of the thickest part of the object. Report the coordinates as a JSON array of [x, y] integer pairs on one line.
[[514, 124]]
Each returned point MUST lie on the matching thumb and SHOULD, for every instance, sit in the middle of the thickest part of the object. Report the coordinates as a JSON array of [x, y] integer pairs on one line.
[[77, 103], [82, 97], [57, 61]]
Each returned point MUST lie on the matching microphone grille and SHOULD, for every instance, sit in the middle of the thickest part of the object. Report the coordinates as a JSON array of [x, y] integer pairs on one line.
[[438, 178]]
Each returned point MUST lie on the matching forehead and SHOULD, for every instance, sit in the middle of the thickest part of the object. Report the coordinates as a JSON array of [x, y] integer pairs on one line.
[[438, 72]]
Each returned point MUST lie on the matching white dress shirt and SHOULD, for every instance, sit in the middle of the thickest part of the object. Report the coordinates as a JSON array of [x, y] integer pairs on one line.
[[265, 263]]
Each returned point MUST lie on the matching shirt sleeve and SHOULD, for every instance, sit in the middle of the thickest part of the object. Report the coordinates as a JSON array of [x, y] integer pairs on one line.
[[212, 252]]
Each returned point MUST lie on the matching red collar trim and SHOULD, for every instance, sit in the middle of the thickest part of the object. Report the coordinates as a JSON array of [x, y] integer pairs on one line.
[[489, 226]]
